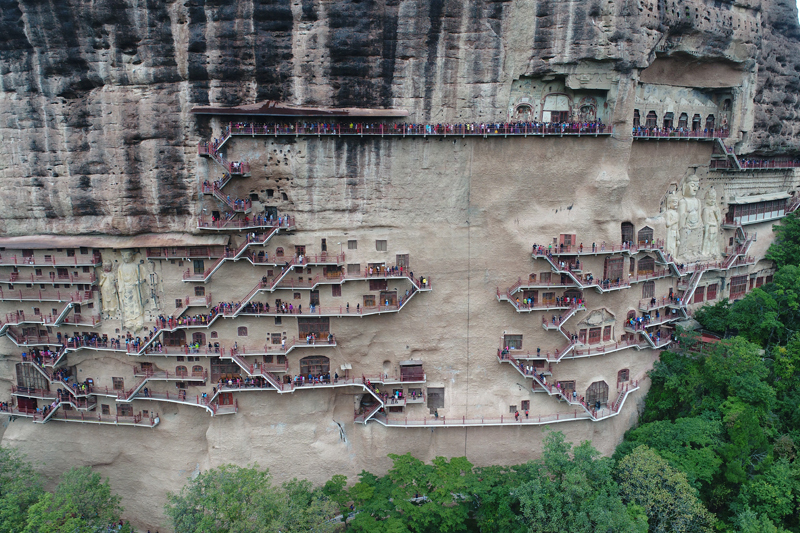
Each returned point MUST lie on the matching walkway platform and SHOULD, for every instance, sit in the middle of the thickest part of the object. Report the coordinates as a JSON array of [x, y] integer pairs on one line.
[[403, 130]]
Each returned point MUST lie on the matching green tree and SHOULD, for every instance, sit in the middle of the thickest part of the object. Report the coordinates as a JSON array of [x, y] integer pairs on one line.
[[785, 249], [748, 521], [307, 509], [431, 497], [773, 494], [82, 503], [715, 317], [238, 499], [20, 487], [756, 317], [688, 444], [670, 502], [576, 494], [227, 498], [495, 504], [335, 489]]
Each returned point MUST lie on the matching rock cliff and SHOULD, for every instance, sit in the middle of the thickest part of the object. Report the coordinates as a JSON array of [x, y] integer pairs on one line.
[[96, 96]]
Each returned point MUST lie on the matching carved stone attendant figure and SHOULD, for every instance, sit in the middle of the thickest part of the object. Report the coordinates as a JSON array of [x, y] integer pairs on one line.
[[130, 297], [671, 221], [712, 219], [108, 291], [690, 219]]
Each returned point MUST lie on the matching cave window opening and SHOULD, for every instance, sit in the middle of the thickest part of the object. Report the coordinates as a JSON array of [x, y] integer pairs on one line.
[[696, 123], [668, 120], [636, 118], [710, 122], [652, 120], [683, 121]]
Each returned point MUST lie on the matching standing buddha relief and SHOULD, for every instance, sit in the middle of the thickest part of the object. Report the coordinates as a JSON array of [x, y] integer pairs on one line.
[[130, 280], [693, 225]]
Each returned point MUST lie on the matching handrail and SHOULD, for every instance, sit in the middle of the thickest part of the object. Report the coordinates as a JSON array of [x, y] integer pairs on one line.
[[403, 130]]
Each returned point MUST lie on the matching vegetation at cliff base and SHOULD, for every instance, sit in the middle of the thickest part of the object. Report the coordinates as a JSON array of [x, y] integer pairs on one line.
[[725, 414], [243, 500], [81, 503]]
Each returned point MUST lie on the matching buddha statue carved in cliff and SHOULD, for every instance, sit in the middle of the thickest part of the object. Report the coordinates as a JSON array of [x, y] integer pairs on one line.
[[108, 291], [130, 280], [690, 220], [712, 220]]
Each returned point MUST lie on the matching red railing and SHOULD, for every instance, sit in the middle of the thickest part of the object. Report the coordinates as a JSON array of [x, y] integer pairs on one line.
[[44, 295], [184, 252], [265, 258], [236, 204], [256, 238], [18, 277], [248, 223], [33, 392], [233, 167], [284, 347], [82, 320], [197, 301], [463, 421], [340, 310], [648, 304], [165, 375], [754, 164], [174, 350], [393, 129], [53, 260], [658, 133], [644, 246]]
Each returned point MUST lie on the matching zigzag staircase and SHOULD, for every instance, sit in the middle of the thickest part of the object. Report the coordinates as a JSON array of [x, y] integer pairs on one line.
[[260, 240]]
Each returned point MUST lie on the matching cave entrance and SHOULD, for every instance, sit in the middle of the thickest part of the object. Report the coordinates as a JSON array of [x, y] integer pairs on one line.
[[683, 121], [710, 122], [627, 232], [652, 120], [668, 120], [597, 393], [696, 123]]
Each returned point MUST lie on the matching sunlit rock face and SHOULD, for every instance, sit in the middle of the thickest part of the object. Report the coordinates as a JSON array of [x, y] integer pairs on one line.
[[96, 96]]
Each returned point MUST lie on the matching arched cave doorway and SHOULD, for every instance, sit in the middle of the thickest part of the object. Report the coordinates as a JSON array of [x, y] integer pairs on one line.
[[627, 231], [199, 338], [652, 120], [647, 265], [597, 392], [645, 235]]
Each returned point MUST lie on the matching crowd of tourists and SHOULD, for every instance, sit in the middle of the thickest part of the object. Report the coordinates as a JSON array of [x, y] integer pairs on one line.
[[395, 128], [655, 131]]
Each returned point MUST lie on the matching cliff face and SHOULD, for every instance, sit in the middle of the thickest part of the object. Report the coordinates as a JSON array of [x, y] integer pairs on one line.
[[96, 96], [776, 102]]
